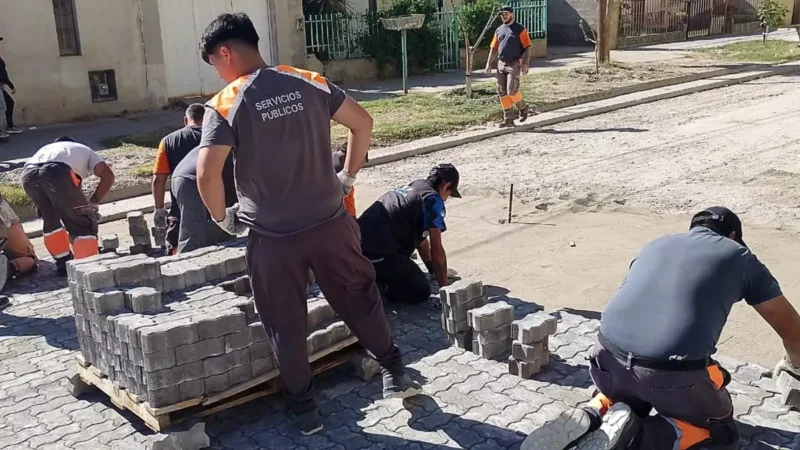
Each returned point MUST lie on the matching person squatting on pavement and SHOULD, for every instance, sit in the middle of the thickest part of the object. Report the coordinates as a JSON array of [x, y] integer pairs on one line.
[[52, 179], [196, 228], [657, 335], [18, 256], [402, 221], [276, 120], [511, 47], [171, 151]]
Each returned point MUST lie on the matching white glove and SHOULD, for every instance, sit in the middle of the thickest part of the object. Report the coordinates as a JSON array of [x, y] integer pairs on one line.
[[347, 181], [160, 218], [785, 366], [231, 224]]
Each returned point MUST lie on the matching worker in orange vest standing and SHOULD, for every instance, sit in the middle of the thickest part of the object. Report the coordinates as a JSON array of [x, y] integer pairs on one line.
[[511, 48], [52, 178]]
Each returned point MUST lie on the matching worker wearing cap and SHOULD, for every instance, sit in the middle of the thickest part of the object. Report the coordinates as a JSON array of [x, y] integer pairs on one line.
[[402, 221], [52, 178], [511, 47], [656, 341]]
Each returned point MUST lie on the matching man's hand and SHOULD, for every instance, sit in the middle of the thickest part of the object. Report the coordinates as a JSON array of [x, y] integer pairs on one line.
[[93, 210], [489, 68], [784, 365], [160, 218], [231, 224], [524, 69], [347, 181]]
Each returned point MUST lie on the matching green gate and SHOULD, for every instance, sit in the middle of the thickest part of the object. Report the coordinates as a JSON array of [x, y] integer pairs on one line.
[[451, 41]]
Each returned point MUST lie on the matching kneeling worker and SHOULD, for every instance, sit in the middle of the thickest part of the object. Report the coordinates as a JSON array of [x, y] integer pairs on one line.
[[195, 227], [402, 221], [656, 339], [18, 256], [52, 179]]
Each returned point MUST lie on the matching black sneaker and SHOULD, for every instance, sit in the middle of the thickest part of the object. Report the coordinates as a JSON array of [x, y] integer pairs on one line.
[[508, 123], [4, 302], [399, 385], [306, 419], [523, 113], [620, 427]]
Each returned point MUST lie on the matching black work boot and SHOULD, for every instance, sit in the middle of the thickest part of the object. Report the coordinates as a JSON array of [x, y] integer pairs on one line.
[[305, 416], [507, 123], [397, 384], [523, 113], [4, 302]]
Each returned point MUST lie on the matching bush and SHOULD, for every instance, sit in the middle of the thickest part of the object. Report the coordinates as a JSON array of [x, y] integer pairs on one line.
[[771, 14], [475, 16], [424, 45]]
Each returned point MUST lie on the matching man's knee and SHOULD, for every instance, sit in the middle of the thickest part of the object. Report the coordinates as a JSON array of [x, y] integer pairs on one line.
[[420, 290]]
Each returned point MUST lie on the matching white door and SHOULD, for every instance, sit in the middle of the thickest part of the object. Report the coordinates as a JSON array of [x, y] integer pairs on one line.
[[183, 23]]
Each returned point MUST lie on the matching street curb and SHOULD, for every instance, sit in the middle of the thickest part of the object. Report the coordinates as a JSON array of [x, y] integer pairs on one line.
[[108, 218], [470, 138]]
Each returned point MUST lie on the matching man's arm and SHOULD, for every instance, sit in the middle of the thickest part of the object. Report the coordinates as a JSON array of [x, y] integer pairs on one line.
[[106, 175], [783, 318], [160, 175], [210, 163], [525, 39], [492, 54], [356, 119], [438, 256], [424, 251]]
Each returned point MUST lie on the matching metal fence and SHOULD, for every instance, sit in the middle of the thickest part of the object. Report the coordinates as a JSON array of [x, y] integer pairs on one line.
[[691, 18], [645, 17], [339, 36]]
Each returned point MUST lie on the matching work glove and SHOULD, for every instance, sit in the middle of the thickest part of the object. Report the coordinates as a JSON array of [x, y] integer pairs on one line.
[[784, 365], [347, 181], [231, 224], [160, 218]]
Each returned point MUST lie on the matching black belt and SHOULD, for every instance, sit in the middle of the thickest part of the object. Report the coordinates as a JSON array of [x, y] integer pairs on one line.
[[631, 360]]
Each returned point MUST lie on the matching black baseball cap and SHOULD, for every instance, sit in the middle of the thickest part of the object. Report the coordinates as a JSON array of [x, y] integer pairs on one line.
[[507, 9], [728, 221], [448, 173]]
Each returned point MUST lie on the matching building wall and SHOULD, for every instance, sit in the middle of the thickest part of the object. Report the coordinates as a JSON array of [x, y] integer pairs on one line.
[[563, 17], [52, 88]]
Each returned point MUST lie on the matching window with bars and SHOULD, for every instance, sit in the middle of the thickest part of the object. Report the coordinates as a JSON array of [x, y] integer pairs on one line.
[[69, 43]]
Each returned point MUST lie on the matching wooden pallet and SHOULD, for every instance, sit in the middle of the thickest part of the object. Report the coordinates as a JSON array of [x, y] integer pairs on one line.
[[157, 419]]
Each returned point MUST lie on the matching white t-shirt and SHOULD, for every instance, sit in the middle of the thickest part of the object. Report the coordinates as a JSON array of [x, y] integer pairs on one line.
[[79, 157]]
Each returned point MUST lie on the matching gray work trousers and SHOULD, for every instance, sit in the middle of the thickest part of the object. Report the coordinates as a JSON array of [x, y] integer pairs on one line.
[[279, 274], [3, 110], [508, 75], [689, 403], [195, 227]]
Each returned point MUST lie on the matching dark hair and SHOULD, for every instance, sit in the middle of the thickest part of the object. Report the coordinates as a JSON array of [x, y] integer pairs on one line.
[[195, 112], [436, 180], [225, 28], [64, 139], [714, 225]]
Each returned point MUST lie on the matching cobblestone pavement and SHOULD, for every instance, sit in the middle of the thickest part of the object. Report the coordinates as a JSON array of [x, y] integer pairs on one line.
[[469, 402]]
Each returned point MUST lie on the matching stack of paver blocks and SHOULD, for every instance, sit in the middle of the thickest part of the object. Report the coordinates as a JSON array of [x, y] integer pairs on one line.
[[491, 325], [158, 329], [789, 386], [457, 300], [137, 226], [529, 350], [109, 243]]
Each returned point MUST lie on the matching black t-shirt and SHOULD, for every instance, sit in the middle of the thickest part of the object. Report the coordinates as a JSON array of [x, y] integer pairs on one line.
[[188, 169], [398, 222], [678, 293]]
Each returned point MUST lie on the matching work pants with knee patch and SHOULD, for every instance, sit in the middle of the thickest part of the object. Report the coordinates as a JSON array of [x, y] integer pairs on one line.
[[508, 75], [67, 218], [279, 274], [404, 280], [693, 407]]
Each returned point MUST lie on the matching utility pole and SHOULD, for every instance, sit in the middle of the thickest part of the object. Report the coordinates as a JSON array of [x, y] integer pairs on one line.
[[603, 51]]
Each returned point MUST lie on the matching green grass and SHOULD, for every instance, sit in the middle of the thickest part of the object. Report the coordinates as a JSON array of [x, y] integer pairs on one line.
[[149, 139], [15, 195], [774, 51], [144, 170]]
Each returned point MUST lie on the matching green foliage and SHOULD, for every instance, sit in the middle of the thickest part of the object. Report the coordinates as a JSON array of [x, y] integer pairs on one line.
[[424, 45], [771, 14], [475, 16], [325, 6]]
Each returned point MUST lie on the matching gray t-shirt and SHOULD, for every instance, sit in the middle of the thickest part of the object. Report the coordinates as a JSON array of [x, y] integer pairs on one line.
[[278, 121], [678, 293]]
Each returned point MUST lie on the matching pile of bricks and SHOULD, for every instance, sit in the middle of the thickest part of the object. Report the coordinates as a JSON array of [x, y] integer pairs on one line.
[[109, 243], [529, 350], [457, 300], [491, 325], [789, 387], [164, 332], [137, 226]]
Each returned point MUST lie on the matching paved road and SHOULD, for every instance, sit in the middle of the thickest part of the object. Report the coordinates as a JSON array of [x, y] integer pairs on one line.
[[468, 402]]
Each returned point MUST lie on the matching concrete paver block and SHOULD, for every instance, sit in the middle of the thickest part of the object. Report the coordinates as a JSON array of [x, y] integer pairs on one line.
[[364, 366], [225, 322], [493, 350], [193, 274], [138, 230], [94, 278], [461, 340], [199, 350], [461, 292], [257, 331], [216, 365], [192, 389], [159, 236], [459, 312], [236, 264], [136, 218], [261, 349], [173, 376], [262, 365], [319, 311], [143, 299], [502, 333], [491, 316], [455, 326], [534, 327], [136, 271], [238, 341], [109, 242], [159, 398], [141, 240], [529, 353], [194, 439], [159, 360], [523, 369], [156, 338], [241, 374], [214, 267], [106, 300], [790, 390], [78, 387], [217, 383]]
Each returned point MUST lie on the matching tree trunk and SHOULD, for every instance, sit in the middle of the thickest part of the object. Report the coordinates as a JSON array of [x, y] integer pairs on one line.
[[468, 72], [604, 53]]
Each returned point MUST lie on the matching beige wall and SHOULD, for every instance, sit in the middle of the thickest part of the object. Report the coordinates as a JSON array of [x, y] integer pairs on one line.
[[290, 32], [53, 88]]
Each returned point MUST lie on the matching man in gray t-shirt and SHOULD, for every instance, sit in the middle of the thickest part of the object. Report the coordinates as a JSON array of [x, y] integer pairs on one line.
[[656, 339], [277, 120]]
